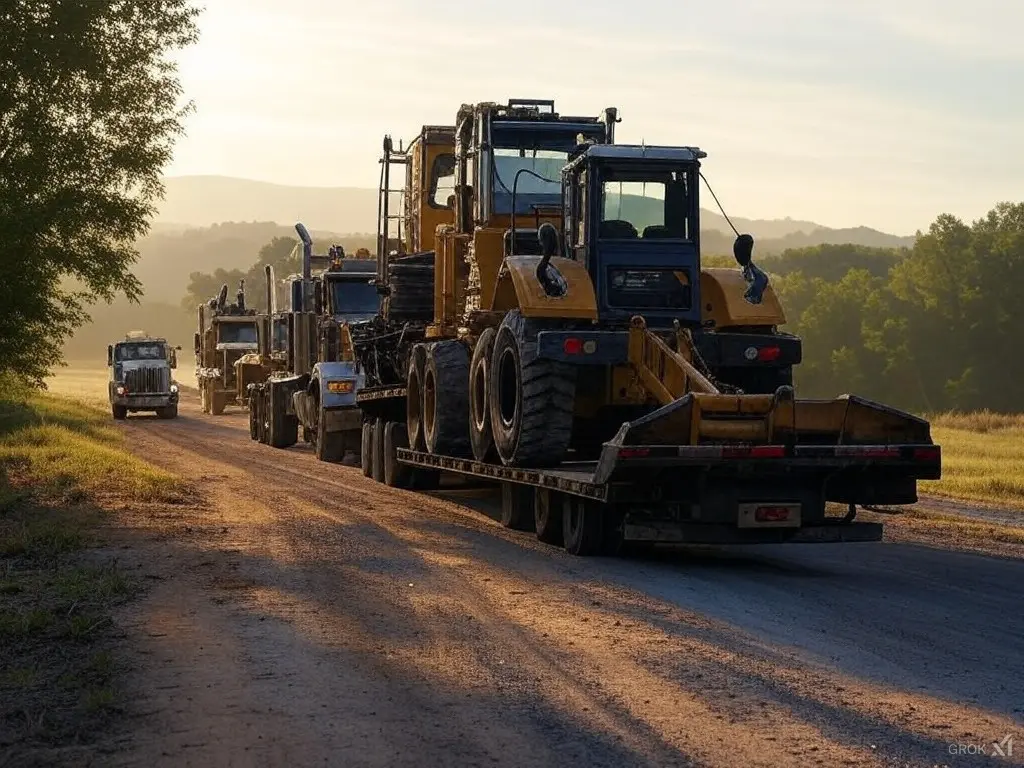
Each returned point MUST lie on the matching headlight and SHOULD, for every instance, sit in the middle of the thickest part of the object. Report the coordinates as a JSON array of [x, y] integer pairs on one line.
[[174, 388], [120, 390]]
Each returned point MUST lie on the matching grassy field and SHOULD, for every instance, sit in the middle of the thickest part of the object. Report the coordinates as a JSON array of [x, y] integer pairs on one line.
[[982, 458], [62, 467]]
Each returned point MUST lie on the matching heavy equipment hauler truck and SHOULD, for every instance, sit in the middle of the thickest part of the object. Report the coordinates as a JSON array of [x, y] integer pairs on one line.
[[617, 391]]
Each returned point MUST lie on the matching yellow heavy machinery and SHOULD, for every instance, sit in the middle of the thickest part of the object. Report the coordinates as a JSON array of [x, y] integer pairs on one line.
[[578, 353]]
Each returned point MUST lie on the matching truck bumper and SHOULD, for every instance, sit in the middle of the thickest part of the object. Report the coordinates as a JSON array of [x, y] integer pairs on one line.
[[145, 402]]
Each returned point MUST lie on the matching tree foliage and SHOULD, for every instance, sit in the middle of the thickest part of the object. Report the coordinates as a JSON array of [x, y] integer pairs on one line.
[[89, 111], [938, 329]]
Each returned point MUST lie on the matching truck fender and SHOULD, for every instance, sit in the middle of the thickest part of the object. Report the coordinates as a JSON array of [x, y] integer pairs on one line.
[[325, 373], [518, 288]]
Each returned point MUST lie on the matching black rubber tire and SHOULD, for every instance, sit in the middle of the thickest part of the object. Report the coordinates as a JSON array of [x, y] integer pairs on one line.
[[446, 399], [481, 437], [119, 412], [377, 449], [414, 398], [330, 446], [366, 448], [284, 427], [582, 532], [411, 289], [517, 506], [547, 516], [167, 412], [395, 475], [254, 416], [531, 399]]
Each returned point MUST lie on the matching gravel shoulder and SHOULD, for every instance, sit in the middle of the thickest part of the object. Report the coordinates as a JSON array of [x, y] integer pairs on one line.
[[301, 614]]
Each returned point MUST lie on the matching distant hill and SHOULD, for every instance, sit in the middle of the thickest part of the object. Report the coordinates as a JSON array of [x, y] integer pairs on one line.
[[200, 201]]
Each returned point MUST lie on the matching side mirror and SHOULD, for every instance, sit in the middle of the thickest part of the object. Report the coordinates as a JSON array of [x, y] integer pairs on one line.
[[743, 250], [548, 237], [198, 346], [110, 354]]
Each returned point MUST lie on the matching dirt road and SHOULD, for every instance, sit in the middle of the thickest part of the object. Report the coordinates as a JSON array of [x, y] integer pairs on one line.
[[304, 615]]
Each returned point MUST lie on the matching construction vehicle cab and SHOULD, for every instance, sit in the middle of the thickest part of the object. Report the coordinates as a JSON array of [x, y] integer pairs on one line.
[[632, 218]]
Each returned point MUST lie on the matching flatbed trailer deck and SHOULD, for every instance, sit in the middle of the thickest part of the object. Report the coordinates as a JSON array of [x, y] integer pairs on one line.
[[703, 494]]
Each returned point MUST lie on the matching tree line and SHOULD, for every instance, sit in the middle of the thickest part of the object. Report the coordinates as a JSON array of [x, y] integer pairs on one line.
[[931, 327]]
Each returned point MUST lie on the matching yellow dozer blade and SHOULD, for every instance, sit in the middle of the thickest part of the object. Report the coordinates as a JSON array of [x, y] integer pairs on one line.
[[694, 412]]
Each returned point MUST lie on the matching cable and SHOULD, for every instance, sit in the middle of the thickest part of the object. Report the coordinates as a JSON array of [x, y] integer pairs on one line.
[[736, 231]]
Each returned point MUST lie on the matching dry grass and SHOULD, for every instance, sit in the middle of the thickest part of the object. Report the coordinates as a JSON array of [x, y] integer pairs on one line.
[[69, 450], [62, 464], [982, 458]]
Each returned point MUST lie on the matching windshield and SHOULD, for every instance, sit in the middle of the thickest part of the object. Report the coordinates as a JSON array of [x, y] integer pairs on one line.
[[237, 333], [354, 297], [140, 352], [648, 205], [546, 163]]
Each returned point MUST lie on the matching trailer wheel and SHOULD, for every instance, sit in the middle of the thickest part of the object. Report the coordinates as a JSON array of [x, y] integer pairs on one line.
[[547, 516], [396, 475], [480, 435], [517, 506], [414, 398], [377, 450], [581, 526], [446, 399], [366, 449], [531, 399]]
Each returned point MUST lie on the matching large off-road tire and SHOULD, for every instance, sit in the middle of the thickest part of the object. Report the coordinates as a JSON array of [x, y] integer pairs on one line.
[[395, 474], [481, 437], [582, 530], [119, 412], [531, 399], [411, 289], [547, 516], [446, 399], [366, 448], [517, 506], [377, 450], [414, 398]]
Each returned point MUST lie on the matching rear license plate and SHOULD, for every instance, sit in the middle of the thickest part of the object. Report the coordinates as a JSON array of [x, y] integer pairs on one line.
[[769, 515]]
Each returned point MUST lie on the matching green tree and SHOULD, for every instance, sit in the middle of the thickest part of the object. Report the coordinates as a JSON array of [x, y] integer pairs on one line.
[[89, 111]]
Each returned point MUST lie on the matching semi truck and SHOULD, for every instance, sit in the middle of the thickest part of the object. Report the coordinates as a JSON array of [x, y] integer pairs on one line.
[[312, 396], [226, 333], [141, 376], [577, 352]]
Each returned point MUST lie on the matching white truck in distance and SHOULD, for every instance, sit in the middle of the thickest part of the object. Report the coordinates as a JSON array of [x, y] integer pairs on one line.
[[140, 376]]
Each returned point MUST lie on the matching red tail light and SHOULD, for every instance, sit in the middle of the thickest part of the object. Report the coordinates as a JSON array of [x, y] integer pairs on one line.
[[572, 346], [927, 454], [768, 354], [754, 452], [771, 514], [633, 453]]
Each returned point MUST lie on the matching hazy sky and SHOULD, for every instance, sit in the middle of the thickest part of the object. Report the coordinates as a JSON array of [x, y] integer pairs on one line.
[[875, 112]]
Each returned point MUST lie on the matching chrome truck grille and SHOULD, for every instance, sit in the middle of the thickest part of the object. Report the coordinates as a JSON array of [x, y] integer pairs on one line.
[[145, 381]]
